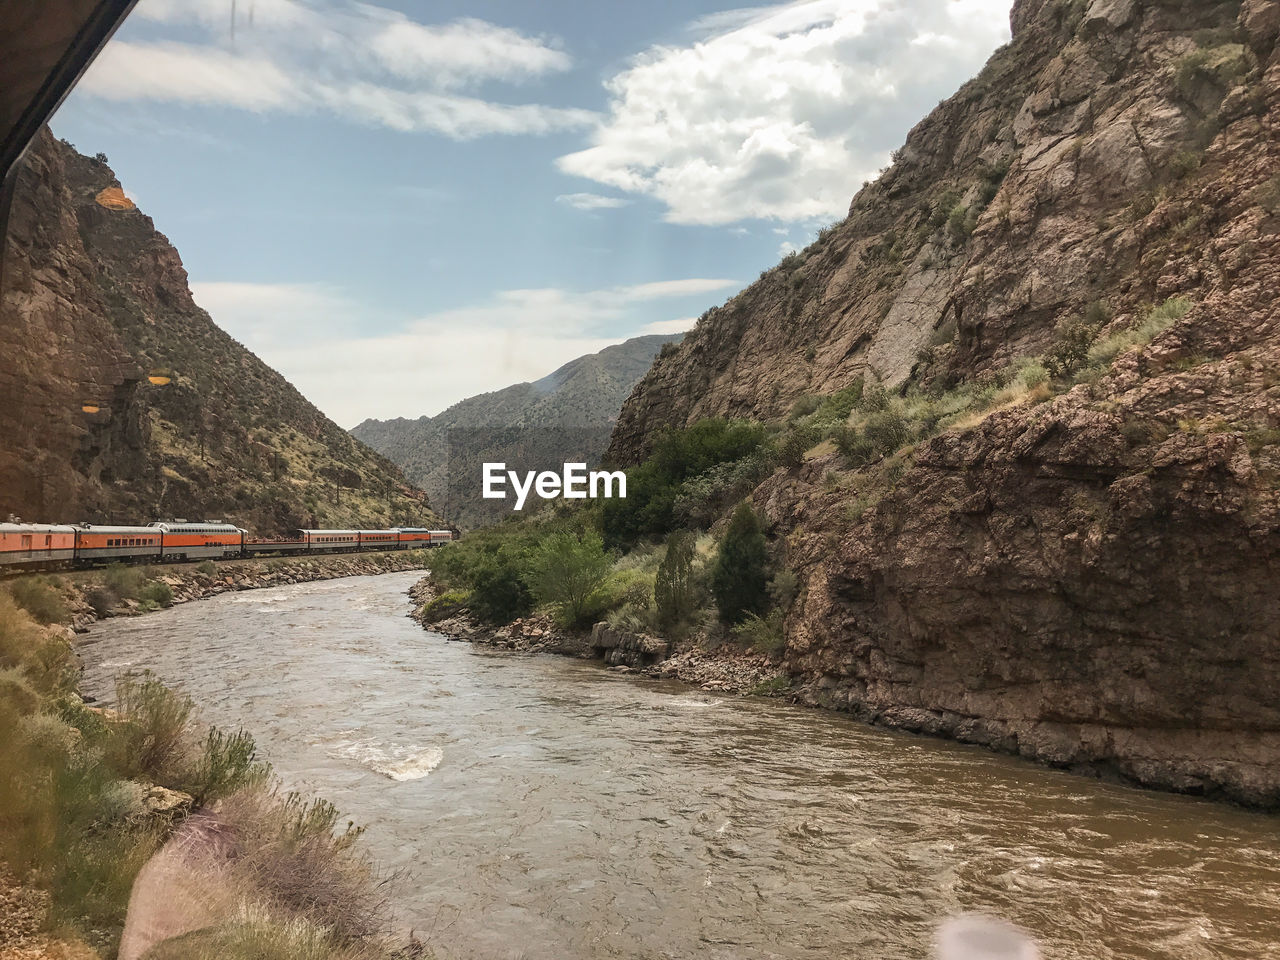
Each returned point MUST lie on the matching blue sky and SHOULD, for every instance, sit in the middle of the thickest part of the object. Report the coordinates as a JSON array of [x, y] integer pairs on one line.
[[399, 205]]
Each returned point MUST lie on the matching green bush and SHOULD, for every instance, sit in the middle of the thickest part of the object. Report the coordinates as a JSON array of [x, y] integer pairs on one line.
[[739, 577], [887, 430], [443, 605], [40, 598], [40, 658], [207, 567], [1070, 348], [653, 488], [157, 593], [674, 591], [569, 572], [793, 446], [152, 739], [123, 581], [762, 633], [227, 762]]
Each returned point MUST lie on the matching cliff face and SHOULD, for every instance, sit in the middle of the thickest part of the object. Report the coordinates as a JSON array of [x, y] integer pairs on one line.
[[567, 416], [1093, 580], [96, 301]]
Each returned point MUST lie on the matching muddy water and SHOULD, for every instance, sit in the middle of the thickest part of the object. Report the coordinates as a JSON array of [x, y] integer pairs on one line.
[[548, 808]]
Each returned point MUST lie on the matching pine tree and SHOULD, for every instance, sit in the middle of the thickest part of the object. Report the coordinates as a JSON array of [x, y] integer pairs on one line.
[[740, 576]]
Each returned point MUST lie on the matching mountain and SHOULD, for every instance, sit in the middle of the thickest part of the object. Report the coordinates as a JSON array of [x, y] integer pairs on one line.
[[1086, 569], [566, 416], [97, 316]]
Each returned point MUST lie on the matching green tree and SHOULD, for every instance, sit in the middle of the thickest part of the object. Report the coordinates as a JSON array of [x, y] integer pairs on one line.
[[673, 588], [740, 575], [569, 572]]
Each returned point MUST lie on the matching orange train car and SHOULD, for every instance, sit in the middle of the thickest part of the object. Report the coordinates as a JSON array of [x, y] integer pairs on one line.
[[36, 543], [96, 544], [199, 541]]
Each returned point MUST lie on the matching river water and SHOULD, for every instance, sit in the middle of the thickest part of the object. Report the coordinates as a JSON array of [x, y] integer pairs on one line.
[[549, 808]]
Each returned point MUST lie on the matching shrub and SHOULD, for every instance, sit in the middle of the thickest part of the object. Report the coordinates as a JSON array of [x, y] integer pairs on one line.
[[1070, 348], [887, 431], [739, 576], [40, 598], [569, 571], [854, 446], [443, 605], [227, 763], [301, 863], [207, 567], [673, 588], [157, 593], [499, 593], [1157, 320], [783, 589], [151, 741], [793, 445], [762, 633], [102, 599], [39, 657], [124, 582]]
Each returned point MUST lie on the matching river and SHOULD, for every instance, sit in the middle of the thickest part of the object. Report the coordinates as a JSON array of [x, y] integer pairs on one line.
[[549, 808]]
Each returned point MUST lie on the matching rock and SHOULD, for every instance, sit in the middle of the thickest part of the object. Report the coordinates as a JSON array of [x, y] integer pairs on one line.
[[170, 804], [1094, 580]]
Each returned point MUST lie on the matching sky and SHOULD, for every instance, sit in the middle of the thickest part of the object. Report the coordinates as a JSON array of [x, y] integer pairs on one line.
[[399, 205]]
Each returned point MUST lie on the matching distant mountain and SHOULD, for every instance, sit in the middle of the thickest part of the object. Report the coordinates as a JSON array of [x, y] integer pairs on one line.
[[97, 314], [564, 417]]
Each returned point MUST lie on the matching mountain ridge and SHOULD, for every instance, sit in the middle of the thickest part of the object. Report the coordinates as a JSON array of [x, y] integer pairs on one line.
[[579, 399]]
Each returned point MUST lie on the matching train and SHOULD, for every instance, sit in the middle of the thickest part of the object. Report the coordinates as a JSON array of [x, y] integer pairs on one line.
[[35, 546]]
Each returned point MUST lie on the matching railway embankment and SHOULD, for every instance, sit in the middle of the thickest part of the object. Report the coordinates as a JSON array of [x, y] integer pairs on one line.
[[78, 599]]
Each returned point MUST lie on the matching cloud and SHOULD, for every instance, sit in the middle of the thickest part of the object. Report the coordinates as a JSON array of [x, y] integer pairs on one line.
[[682, 325], [361, 62], [782, 112], [786, 247], [591, 201], [317, 336]]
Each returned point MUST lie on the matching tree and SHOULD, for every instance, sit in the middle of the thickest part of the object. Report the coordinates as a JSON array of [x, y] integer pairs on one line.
[[569, 571], [673, 590], [740, 576]]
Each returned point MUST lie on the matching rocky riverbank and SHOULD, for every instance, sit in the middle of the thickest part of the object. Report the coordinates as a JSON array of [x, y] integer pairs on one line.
[[188, 582], [726, 669]]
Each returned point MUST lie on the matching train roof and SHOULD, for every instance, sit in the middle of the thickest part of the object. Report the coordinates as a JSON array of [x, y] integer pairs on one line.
[[109, 528], [377, 531], [170, 526], [331, 533], [36, 528]]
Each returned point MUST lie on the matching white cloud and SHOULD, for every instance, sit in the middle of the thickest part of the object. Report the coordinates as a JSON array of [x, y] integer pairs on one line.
[[356, 60], [591, 201], [316, 336], [782, 112], [682, 325], [786, 247]]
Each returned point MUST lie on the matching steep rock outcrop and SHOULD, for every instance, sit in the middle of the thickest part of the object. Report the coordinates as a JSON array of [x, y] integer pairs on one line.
[[95, 301], [1093, 581]]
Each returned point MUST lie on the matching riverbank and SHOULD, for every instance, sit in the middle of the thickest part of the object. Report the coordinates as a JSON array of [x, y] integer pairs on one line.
[[88, 796], [83, 590], [731, 669], [723, 669]]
